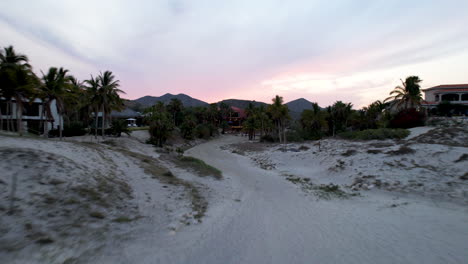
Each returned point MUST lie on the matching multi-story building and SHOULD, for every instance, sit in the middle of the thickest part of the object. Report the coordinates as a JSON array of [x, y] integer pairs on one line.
[[453, 93]]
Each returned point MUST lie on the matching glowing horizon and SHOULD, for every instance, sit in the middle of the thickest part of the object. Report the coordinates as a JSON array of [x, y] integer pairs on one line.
[[318, 50]]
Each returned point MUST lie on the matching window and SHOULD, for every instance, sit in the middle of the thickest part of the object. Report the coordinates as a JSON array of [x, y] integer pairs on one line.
[[437, 98], [450, 97], [31, 109], [464, 97], [4, 108]]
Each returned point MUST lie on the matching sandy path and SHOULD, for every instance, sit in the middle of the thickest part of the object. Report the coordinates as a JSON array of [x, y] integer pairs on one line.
[[275, 223], [259, 217]]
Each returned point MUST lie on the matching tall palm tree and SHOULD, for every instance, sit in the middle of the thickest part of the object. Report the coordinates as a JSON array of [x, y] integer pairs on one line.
[[279, 113], [174, 107], [56, 85], [339, 115], [408, 94], [17, 81], [95, 100], [109, 93], [313, 121]]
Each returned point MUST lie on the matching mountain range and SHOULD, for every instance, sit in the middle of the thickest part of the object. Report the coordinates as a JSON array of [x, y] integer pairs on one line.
[[295, 107]]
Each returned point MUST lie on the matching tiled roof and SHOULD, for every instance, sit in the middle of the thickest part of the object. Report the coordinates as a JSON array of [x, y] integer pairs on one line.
[[241, 112], [449, 86], [454, 89]]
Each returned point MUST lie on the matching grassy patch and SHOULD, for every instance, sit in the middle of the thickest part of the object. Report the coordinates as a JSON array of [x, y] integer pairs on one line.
[[403, 150], [371, 134], [151, 167], [199, 166]]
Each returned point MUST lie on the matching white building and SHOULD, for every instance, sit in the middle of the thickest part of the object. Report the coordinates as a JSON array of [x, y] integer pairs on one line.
[[32, 117], [453, 93]]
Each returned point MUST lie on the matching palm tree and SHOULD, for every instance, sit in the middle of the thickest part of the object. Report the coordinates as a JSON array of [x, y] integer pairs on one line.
[[95, 100], [279, 113], [17, 81], [159, 122], [109, 95], [339, 115], [313, 121], [174, 107], [408, 94], [56, 85]]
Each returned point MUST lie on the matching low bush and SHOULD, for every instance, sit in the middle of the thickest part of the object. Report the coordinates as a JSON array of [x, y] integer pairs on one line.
[[294, 136], [408, 118], [202, 131], [380, 133], [267, 138]]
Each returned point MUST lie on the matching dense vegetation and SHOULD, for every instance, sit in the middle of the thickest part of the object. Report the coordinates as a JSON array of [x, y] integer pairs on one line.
[[79, 102]]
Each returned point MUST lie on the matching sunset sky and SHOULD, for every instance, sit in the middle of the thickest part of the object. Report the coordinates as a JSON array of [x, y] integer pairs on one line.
[[354, 51]]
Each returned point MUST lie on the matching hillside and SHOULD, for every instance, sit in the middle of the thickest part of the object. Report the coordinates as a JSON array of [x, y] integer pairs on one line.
[[299, 105], [241, 103], [186, 100]]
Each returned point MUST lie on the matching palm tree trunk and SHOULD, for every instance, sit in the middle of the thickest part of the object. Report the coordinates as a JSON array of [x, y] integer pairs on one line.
[[60, 125], [1, 117], [103, 122], [278, 125], [96, 122], [9, 115], [19, 118], [47, 113], [41, 120], [283, 127]]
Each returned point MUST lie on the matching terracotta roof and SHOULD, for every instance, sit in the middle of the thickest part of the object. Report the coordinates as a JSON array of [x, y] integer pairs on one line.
[[453, 89], [241, 112], [448, 86]]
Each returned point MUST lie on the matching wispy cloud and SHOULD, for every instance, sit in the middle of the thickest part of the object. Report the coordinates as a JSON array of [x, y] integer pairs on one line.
[[329, 50]]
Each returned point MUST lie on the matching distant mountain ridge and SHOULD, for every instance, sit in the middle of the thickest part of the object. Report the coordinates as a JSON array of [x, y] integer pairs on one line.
[[241, 103], [186, 100], [299, 105], [295, 107]]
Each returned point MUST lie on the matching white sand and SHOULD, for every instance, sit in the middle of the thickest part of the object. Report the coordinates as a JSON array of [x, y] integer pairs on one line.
[[256, 215]]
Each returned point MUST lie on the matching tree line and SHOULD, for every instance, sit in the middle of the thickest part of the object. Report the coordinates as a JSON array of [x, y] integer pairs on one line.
[[76, 101], [83, 101]]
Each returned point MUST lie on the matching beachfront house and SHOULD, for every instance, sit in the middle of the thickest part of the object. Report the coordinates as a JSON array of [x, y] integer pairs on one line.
[[131, 117], [236, 118], [453, 93], [33, 116]]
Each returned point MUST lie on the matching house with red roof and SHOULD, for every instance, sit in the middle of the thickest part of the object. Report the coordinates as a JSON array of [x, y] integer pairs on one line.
[[236, 118], [453, 93]]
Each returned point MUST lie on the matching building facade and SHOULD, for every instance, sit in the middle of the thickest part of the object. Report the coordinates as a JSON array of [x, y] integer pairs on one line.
[[453, 93], [33, 116]]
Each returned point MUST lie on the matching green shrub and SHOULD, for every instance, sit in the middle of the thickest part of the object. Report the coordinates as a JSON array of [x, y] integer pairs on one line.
[[294, 136], [381, 133], [202, 131], [267, 138]]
